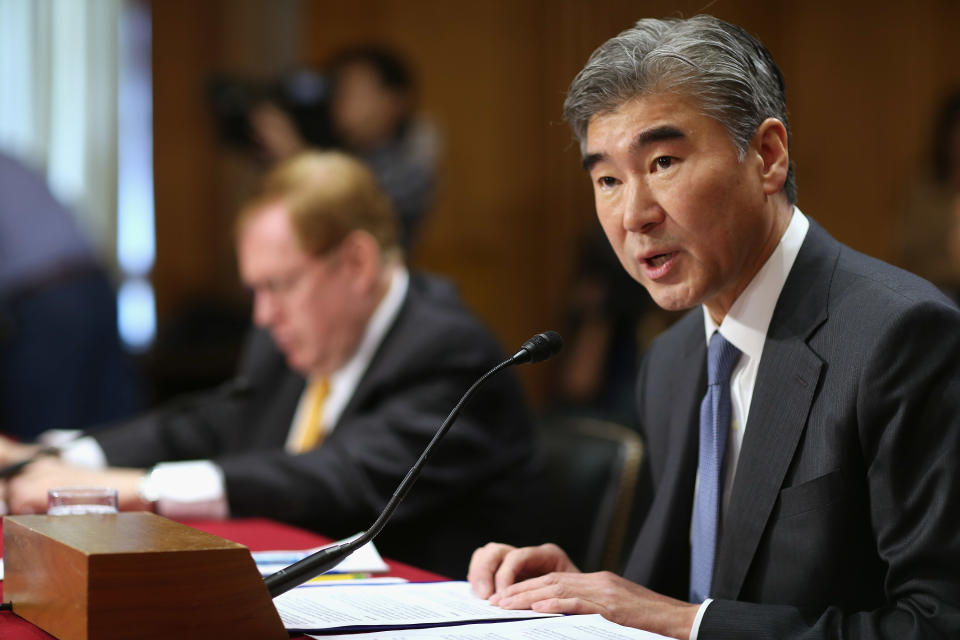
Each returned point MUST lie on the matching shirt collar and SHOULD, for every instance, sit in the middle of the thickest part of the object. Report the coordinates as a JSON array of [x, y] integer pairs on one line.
[[377, 327], [746, 324]]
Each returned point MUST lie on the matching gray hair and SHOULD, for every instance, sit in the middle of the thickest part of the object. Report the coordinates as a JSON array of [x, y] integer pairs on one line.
[[726, 70]]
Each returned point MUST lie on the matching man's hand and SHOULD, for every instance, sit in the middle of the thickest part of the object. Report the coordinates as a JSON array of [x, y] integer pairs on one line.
[[27, 491], [12, 452], [496, 566], [613, 597], [544, 579], [275, 131]]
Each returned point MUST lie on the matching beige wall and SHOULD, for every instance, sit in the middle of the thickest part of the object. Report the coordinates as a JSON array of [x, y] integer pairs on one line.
[[862, 79]]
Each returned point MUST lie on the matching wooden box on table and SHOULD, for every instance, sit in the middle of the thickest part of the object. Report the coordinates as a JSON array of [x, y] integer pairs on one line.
[[133, 575]]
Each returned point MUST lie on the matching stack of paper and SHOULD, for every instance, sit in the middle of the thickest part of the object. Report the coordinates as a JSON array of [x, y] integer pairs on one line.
[[349, 601], [371, 607], [450, 608], [592, 627]]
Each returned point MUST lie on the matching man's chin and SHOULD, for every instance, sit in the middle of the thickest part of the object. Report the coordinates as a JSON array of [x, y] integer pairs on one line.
[[669, 299], [299, 364]]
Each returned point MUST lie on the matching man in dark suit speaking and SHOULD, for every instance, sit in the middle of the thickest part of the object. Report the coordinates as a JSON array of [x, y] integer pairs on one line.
[[358, 366], [803, 419]]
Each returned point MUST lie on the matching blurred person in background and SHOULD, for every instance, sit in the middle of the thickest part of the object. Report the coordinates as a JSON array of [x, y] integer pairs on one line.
[[362, 102], [930, 232], [354, 367], [369, 101], [608, 320], [61, 361]]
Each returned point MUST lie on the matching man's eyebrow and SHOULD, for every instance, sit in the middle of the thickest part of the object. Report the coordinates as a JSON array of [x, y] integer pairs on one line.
[[656, 134], [591, 159]]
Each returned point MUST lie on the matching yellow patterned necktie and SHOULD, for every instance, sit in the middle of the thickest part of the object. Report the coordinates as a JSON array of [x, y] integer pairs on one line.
[[312, 432]]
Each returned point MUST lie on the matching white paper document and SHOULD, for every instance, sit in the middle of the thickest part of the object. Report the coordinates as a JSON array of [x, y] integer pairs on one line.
[[593, 627], [321, 608], [366, 559]]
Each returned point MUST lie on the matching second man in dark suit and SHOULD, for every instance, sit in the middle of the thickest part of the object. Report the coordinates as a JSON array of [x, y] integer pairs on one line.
[[356, 365]]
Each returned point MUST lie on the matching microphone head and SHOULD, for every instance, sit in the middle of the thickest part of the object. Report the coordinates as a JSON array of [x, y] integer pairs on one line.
[[539, 347]]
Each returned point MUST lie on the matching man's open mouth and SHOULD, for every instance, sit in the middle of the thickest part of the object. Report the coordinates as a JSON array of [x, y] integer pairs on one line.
[[659, 259]]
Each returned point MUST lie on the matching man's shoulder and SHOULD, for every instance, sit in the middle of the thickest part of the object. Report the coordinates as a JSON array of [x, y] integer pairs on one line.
[[434, 320], [434, 302], [832, 281], [856, 270], [430, 289], [869, 287]]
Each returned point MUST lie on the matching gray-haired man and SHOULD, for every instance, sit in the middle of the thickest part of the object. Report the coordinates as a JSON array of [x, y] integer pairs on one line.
[[808, 491]]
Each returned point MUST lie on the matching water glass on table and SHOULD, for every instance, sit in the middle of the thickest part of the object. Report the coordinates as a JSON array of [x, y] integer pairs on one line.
[[63, 501]]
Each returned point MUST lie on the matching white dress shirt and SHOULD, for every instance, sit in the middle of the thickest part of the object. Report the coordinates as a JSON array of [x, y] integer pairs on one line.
[[745, 326]]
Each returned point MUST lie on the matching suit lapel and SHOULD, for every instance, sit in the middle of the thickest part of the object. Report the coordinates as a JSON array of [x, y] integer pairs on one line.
[[372, 376], [661, 552], [787, 382]]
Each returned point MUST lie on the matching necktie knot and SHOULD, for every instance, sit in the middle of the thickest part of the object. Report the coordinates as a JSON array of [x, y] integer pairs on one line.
[[722, 357]]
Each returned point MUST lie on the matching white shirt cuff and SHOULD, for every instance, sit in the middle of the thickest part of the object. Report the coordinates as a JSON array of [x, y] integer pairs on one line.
[[58, 437], [194, 489], [696, 621], [85, 452]]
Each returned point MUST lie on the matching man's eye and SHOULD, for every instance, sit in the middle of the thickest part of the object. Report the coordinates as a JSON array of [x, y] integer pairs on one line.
[[663, 162], [278, 285], [607, 181]]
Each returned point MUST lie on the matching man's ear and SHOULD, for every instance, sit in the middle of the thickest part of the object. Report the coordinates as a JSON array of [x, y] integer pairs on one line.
[[360, 255], [770, 143]]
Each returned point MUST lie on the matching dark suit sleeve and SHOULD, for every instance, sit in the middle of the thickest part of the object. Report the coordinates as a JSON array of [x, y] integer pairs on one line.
[[188, 429], [196, 426], [908, 434]]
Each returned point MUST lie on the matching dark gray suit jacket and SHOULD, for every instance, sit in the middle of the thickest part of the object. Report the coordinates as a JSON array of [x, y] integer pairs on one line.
[[842, 521], [473, 489]]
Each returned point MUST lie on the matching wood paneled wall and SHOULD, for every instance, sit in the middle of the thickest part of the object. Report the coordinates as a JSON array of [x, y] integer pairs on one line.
[[863, 80]]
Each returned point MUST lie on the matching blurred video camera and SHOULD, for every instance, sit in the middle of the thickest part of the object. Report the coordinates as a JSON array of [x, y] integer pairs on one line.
[[302, 94]]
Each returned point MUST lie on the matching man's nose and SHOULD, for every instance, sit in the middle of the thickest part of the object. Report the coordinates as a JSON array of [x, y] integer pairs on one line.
[[264, 308], [641, 210]]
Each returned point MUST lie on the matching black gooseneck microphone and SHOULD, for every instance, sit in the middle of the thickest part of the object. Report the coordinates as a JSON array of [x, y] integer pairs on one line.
[[538, 348]]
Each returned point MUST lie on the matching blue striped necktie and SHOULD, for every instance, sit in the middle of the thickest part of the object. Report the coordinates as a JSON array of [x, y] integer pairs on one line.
[[714, 426]]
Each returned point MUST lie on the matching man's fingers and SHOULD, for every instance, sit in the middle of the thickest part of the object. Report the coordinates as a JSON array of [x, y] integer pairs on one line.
[[520, 595], [27, 491], [577, 606], [12, 452], [483, 565], [24, 498], [531, 562], [514, 564], [495, 567], [574, 592]]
